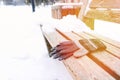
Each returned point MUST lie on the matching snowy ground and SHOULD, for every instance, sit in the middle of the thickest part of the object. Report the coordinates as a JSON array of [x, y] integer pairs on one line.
[[23, 53]]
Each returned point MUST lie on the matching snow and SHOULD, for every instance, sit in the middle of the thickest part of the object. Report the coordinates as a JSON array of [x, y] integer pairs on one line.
[[108, 29], [23, 51]]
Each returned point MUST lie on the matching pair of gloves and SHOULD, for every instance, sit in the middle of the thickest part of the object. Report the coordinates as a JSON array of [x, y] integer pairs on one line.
[[66, 49]]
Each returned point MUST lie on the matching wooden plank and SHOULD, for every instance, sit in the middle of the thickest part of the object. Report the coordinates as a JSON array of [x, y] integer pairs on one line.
[[105, 4], [105, 39], [79, 67], [69, 70], [54, 38], [106, 58], [89, 70], [106, 15], [110, 48], [83, 9]]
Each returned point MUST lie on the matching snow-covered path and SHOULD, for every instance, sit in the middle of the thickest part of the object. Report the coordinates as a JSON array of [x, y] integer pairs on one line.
[[23, 53]]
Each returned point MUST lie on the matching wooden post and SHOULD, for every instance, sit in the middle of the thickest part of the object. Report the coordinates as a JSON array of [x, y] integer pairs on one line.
[[83, 8]]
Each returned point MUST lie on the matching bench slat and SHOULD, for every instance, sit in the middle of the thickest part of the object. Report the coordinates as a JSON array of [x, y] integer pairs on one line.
[[105, 39], [54, 38], [89, 70], [110, 48]]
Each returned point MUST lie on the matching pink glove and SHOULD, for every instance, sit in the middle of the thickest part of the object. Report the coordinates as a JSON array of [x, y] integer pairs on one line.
[[63, 50]]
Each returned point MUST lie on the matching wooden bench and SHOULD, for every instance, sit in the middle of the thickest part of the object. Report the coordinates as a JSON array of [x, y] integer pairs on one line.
[[105, 15], [59, 10], [106, 10], [102, 65]]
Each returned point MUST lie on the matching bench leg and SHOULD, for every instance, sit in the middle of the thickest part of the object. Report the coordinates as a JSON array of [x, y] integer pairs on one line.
[[48, 45]]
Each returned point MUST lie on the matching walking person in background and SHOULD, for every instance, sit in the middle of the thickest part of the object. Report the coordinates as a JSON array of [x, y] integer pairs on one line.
[[33, 5]]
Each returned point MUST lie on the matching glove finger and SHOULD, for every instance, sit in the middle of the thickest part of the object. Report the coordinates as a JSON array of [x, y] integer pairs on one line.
[[56, 56], [56, 50], [65, 56], [68, 49], [66, 43], [61, 48], [59, 54], [52, 49], [53, 52]]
